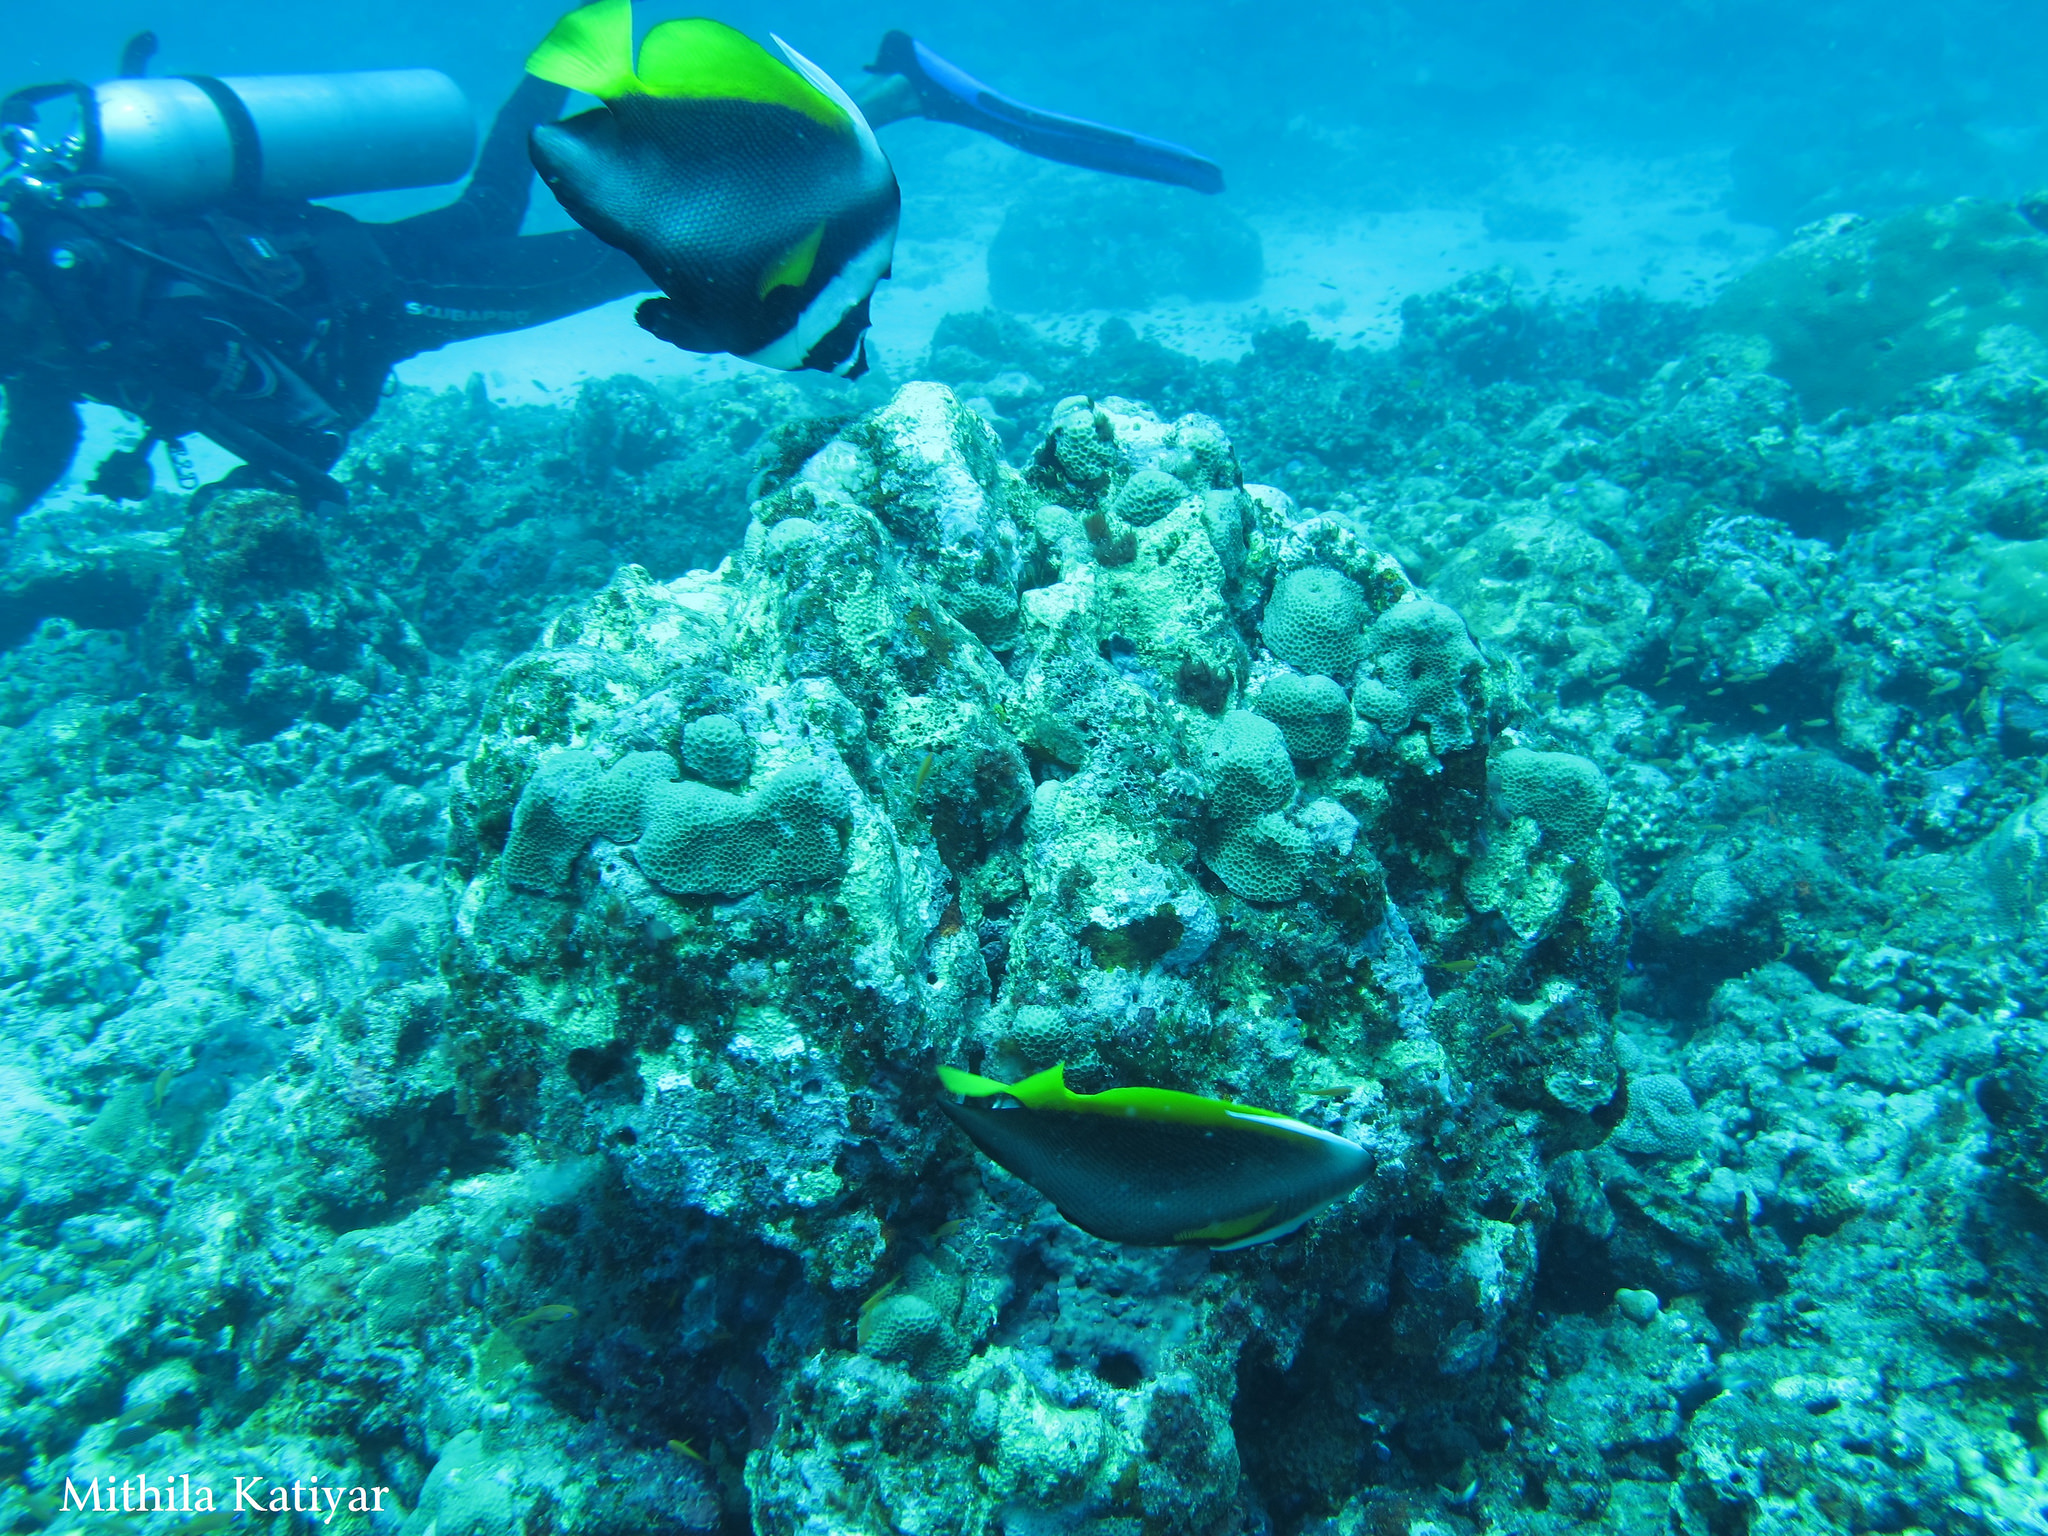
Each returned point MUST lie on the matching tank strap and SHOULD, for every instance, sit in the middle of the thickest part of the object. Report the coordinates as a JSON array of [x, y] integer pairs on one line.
[[246, 144]]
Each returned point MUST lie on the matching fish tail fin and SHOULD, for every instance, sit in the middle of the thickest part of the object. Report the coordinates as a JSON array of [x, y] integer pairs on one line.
[[590, 49]]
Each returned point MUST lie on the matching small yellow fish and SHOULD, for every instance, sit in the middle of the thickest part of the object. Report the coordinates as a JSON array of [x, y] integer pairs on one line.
[[949, 1228], [925, 765], [1456, 967], [865, 1321], [553, 1312], [878, 1297], [684, 1448], [1496, 1034], [157, 1094]]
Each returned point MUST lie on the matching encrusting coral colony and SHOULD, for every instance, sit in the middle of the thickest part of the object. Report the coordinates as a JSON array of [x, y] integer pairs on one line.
[[1551, 766]]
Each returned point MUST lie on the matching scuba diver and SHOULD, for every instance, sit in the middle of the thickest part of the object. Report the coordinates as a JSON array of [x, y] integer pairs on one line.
[[161, 251]]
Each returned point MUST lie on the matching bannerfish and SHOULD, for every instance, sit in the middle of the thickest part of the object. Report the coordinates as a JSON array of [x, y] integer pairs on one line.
[[751, 191], [1151, 1166]]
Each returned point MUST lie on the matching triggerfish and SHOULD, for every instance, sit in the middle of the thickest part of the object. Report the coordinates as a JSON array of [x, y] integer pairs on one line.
[[1151, 1166], [751, 191]]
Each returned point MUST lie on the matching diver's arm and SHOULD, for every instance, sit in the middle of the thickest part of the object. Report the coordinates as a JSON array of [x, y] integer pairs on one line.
[[493, 205], [912, 81], [43, 432]]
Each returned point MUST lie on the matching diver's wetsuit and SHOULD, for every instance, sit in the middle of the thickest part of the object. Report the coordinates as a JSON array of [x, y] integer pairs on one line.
[[269, 328]]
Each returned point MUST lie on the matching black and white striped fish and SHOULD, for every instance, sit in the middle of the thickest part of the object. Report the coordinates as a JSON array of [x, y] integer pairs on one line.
[[750, 190]]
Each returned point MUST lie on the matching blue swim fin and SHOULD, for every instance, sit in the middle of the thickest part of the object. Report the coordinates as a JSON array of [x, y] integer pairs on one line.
[[948, 94]]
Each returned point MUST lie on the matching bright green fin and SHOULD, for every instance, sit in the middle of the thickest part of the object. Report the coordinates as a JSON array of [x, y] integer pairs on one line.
[[591, 49], [793, 270], [968, 1085], [1049, 1090], [696, 58], [1225, 1231]]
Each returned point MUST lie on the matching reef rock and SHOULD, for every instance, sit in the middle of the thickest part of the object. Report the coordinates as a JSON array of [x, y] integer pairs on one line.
[[957, 763]]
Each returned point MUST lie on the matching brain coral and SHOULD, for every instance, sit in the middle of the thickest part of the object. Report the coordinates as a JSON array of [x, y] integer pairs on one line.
[[1314, 620], [1082, 442], [1662, 1119], [572, 799], [1563, 793], [915, 1323], [1258, 853], [544, 841], [1263, 860], [716, 749], [1148, 496], [701, 841], [692, 840], [907, 1329], [1312, 713], [1420, 665], [1248, 767], [610, 805]]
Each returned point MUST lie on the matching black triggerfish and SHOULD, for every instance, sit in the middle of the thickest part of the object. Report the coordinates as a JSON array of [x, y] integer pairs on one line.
[[1151, 1166], [751, 191]]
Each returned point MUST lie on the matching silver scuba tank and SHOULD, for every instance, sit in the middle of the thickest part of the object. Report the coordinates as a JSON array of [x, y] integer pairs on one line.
[[180, 142]]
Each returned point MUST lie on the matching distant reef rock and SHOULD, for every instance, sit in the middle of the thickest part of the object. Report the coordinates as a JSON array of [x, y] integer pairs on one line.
[[1856, 311], [1121, 245]]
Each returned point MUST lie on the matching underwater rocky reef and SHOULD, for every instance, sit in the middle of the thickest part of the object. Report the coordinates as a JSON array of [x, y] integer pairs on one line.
[[478, 964]]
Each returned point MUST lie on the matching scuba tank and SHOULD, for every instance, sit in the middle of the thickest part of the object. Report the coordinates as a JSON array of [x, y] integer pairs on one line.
[[189, 141]]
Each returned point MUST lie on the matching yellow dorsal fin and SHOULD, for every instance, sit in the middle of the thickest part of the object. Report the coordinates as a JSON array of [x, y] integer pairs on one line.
[[699, 58], [590, 49], [793, 268], [970, 1085]]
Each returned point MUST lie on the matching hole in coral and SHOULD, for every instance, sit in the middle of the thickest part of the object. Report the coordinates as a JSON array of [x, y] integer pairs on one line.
[[1135, 946], [1120, 1369], [591, 1067]]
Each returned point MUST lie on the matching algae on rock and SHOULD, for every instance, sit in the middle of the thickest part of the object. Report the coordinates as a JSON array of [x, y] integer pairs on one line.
[[1008, 805]]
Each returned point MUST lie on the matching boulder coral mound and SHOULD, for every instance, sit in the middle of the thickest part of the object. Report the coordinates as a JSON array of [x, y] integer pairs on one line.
[[1854, 311], [953, 762], [688, 838]]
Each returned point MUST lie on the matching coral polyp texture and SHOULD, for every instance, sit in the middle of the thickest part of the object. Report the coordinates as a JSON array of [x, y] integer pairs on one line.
[[479, 959], [1009, 806]]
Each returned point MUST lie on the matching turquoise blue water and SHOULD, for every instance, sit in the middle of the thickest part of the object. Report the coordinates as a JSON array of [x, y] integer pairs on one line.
[[1494, 670]]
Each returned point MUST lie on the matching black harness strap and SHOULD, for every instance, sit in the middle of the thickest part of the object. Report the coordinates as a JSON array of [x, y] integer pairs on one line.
[[242, 136]]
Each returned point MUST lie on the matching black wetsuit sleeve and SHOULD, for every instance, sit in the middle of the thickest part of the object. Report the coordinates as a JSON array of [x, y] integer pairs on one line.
[[43, 431], [465, 270], [493, 205]]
